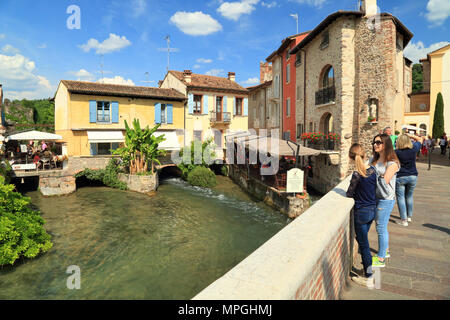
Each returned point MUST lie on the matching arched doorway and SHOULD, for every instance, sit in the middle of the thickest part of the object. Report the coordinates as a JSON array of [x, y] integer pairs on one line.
[[326, 123]]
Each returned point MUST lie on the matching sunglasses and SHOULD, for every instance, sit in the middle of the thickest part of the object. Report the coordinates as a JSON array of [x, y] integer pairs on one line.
[[378, 143]]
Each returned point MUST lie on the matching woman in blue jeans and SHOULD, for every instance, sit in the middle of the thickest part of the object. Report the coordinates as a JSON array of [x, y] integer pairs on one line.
[[362, 188], [407, 176], [387, 165]]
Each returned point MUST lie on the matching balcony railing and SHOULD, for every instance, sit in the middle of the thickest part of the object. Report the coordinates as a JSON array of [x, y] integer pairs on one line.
[[220, 117], [325, 95], [327, 145]]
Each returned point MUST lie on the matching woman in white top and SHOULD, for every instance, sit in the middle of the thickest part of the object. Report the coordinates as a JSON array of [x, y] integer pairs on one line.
[[387, 164]]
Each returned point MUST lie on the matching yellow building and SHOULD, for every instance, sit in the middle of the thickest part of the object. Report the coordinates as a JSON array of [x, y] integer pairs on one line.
[[436, 78], [91, 116], [215, 105]]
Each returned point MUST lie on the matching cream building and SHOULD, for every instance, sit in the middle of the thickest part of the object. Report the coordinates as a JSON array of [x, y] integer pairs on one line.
[[215, 105]]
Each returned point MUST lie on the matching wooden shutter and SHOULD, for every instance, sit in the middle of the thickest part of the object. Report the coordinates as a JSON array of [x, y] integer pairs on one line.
[[170, 113], [92, 111], [205, 105], [158, 113], [191, 103], [115, 112], [246, 107]]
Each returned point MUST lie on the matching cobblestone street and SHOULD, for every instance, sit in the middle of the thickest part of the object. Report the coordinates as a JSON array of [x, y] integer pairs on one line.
[[419, 267]]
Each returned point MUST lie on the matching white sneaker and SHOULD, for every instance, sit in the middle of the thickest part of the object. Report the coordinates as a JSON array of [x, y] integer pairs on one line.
[[363, 281], [402, 223], [409, 219]]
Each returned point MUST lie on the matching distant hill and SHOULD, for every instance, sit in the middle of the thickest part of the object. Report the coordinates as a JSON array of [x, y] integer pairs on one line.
[[24, 115]]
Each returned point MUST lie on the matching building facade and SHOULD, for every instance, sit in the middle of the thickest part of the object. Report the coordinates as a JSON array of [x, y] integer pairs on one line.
[[215, 105], [350, 72], [91, 116], [260, 100], [436, 78]]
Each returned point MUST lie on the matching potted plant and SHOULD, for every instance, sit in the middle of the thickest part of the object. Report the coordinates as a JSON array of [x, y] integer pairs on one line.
[[371, 119]]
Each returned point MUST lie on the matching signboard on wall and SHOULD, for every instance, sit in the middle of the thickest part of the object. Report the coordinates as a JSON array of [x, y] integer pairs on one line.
[[295, 181]]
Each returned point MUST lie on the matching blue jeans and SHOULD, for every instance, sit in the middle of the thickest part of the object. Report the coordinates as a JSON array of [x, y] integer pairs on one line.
[[404, 189], [363, 219], [384, 209]]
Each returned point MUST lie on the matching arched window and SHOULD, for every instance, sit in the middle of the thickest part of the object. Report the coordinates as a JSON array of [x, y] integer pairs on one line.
[[326, 123], [424, 127], [327, 80]]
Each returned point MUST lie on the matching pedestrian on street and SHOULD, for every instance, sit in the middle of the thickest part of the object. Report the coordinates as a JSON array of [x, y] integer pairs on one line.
[[388, 131], [387, 165], [443, 144], [363, 189], [407, 176]]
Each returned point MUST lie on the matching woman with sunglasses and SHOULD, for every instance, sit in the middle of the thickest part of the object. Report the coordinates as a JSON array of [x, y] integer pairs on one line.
[[387, 165]]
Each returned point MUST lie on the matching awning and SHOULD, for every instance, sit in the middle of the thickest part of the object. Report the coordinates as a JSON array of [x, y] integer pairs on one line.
[[282, 147], [34, 135], [105, 136], [412, 128], [171, 143]]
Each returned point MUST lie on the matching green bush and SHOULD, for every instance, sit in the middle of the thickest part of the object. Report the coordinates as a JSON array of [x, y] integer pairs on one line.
[[224, 170], [21, 229], [109, 175], [202, 177]]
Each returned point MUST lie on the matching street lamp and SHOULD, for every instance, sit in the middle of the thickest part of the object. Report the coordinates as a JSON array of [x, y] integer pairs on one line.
[[295, 16]]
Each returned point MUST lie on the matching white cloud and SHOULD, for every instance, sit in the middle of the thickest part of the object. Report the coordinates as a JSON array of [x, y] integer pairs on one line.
[[251, 81], [269, 4], [195, 23], [197, 66], [83, 75], [215, 72], [20, 80], [234, 10], [438, 11], [42, 46], [417, 51], [9, 49], [117, 80], [202, 60], [113, 43], [315, 3]]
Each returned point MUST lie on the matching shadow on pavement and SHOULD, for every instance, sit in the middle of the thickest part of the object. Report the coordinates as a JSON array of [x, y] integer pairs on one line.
[[433, 226]]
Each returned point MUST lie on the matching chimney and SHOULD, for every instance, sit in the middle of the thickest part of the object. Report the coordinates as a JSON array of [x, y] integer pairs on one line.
[[232, 76], [265, 71], [369, 7], [187, 74]]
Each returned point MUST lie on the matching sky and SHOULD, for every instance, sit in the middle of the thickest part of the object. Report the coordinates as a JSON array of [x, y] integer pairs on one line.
[[45, 41]]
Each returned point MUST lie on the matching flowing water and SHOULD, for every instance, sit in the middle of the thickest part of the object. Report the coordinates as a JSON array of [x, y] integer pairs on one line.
[[131, 246]]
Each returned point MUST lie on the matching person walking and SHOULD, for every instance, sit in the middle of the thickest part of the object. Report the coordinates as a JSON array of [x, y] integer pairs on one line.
[[387, 165], [407, 176], [443, 144], [363, 188]]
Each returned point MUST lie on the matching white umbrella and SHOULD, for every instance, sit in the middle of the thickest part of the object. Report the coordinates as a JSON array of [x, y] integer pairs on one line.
[[34, 135], [406, 126]]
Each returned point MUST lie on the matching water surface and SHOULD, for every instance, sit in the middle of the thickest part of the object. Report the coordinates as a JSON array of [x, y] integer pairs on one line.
[[131, 246]]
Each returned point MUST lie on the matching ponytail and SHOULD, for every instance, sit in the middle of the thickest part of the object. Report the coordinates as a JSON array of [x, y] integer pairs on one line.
[[357, 154]]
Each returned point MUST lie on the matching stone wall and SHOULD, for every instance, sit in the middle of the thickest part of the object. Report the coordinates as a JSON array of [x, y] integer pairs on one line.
[[293, 207], [57, 185], [141, 184], [309, 259], [78, 164]]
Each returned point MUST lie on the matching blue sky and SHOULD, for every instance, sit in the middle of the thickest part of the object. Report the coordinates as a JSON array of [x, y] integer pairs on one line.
[[37, 50]]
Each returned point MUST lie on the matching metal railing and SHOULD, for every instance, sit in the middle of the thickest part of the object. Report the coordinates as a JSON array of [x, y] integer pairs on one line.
[[326, 95], [327, 145], [220, 117]]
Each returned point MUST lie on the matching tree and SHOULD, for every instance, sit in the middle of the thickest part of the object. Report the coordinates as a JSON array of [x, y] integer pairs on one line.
[[141, 148], [438, 122], [417, 78]]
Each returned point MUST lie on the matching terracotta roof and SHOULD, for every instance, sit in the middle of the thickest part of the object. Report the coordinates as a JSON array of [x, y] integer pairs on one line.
[[210, 83], [262, 85], [407, 35], [285, 42], [101, 89]]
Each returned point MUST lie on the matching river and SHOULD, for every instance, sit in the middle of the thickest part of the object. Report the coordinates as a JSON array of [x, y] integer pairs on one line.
[[131, 246]]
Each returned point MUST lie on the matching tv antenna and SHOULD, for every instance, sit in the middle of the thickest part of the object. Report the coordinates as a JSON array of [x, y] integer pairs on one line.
[[295, 16], [169, 51], [101, 68]]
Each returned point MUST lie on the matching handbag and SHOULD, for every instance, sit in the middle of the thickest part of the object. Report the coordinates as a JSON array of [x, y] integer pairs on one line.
[[384, 190]]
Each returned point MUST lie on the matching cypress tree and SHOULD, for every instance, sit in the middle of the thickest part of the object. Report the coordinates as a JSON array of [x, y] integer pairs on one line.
[[438, 123]]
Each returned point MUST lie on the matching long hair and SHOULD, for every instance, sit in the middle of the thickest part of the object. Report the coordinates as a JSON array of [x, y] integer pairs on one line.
[[404, 142], [357, 154], [388, 151]]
